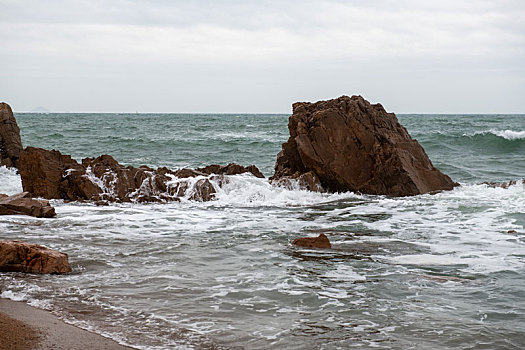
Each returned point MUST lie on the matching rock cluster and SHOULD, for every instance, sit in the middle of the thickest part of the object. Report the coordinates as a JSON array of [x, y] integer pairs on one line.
[[17, 256], [50, 174], [345, 144], [23, 204], [348, 144], [10, 142]]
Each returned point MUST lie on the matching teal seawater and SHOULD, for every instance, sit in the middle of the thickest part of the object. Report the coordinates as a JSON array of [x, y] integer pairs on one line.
[[472, 148], [467, 147], [172, 140], [443, 271]]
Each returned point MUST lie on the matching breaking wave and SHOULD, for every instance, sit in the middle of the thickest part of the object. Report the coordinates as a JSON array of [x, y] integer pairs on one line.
[[10, 182], [510, 135]]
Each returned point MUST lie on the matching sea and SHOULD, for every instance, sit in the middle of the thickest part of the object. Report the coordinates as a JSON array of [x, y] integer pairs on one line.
[[440, 271]]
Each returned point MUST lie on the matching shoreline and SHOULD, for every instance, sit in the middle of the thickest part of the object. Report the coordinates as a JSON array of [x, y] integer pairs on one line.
[[27, 327]]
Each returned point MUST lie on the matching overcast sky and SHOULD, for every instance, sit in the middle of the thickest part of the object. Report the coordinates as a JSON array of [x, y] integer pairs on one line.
[[446, 56]]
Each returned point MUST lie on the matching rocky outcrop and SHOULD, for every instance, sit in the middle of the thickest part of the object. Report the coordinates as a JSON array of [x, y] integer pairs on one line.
[[215, 169], [504, 185], [231, 169], [17, 256], [313, 242], [23, 204], [50, 174], [349, 144], [10, 142], [43, 171]]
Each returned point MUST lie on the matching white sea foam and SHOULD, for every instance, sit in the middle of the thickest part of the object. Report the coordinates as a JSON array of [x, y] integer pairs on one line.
[[18, 290], [467, 226], [8, 294], [10, 181], [344, 273], [426, 260], [101, 182], [247, 190], [233, 253], [91, 177]]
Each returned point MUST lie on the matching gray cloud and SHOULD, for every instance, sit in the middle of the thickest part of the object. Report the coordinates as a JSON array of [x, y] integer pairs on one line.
[[260, 56]]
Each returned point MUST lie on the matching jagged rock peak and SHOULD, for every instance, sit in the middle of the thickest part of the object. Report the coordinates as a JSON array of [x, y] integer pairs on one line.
[[349, 144], [10, 142]]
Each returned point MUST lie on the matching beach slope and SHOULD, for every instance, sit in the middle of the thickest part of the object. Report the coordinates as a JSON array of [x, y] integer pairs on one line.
[[25, 327]]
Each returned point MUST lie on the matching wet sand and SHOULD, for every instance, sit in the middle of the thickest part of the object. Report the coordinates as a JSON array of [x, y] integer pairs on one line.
[[25, 327]]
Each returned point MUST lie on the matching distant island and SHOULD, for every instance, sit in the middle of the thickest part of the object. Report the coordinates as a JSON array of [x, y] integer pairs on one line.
[[40, 109]]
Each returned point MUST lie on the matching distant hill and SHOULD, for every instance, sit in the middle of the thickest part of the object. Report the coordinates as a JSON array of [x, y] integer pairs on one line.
[[40, 109]]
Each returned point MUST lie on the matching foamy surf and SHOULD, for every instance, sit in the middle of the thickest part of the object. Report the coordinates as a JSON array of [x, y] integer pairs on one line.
[[415, 271], [10, 181], [247, 190]]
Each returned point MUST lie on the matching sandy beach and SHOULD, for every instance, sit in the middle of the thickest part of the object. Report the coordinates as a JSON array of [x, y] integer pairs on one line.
[[25, 327]]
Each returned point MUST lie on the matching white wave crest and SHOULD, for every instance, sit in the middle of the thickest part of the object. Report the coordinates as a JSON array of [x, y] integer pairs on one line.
[[506, 134], [10, 181], [509, 134]]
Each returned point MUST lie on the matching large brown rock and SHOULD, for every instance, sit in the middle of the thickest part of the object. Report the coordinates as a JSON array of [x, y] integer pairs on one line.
[[23, 204], [17, 256], [50, 174], [10, 142], [47, 173], [352, 145]]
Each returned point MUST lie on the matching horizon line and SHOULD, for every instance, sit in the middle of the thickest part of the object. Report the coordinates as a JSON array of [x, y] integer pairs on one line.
[[264, 113]]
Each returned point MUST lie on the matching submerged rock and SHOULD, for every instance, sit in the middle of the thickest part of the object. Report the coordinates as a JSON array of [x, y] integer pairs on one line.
[[443, 279], [308, 181], [10, 141], [23, 204], [17, 256], [313, 242], [349, 144], [50, 174], [504, 185]]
